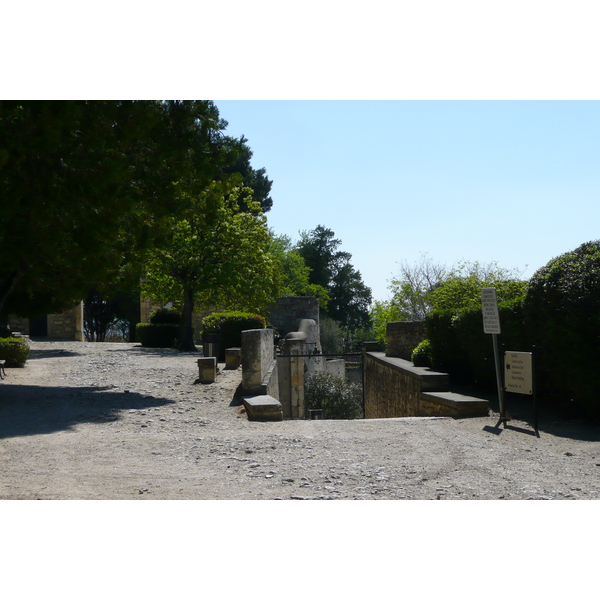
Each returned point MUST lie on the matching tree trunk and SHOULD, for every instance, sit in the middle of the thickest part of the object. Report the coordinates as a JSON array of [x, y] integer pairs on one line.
[[5, 331], [186, 331], [7, 284]]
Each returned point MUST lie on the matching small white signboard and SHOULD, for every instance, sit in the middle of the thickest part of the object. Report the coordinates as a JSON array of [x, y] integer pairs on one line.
[[489, 307], [518, 372]]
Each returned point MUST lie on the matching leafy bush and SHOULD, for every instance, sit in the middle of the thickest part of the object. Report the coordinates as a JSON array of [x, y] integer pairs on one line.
[[338, 398], [229, 325], [165, 315], [157, 335], [421, 355], [562, 310], [15, 351]]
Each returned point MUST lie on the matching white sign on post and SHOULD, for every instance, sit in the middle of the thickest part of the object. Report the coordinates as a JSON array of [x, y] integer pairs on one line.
[[518, 372], [489, 307]]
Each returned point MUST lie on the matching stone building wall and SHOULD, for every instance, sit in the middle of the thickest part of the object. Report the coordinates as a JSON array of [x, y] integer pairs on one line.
[[67, 325], [403, 337], [18, 324]]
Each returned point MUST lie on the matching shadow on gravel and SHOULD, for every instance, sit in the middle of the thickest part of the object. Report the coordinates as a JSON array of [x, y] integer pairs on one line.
[[51, 353], [143, 351], [550, 420], [33, 410]]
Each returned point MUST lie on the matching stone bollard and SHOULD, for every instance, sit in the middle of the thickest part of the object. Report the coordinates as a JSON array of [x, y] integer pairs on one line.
[[233, 358], [207, 369]]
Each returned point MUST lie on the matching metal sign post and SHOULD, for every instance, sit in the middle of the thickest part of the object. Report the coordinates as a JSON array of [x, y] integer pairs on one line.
[[491, 324]]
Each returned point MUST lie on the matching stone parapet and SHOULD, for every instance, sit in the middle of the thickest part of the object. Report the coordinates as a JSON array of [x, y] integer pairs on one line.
[[396, 388]]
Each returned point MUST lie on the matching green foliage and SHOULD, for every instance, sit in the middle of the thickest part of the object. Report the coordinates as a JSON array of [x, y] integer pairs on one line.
[[293, 271], [421, 355], [157, 335], [15, 351], [461, 288], [165, 315], [229, 325], [412, 288], [331, 335], [112, 180], [382, 313], [213, 254], [562, 311], [330, 268], [338, 398], [459, 346]]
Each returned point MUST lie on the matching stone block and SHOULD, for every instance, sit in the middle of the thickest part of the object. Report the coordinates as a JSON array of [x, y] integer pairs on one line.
[[263, 408], [233, 358], [207, 369]]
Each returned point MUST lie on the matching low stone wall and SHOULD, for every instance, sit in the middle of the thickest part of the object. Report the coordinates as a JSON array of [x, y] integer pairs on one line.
[[396, 388], [393, 386], [403, 337]]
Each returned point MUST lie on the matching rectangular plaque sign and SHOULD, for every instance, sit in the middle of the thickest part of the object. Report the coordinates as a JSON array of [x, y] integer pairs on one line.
[[489, 307], [518, 372]]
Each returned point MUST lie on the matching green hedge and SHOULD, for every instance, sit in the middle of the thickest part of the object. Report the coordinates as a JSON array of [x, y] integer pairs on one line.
[[459, 346], [165, 315], [229, 325], [562, 311], [15, 351], [157, 335]]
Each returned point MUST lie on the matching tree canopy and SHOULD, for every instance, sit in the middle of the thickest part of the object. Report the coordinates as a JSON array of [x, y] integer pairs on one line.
[[87, 187], [330, 268], [214, 254]]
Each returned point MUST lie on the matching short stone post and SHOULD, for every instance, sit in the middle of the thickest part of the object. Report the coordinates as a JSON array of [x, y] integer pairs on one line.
[[233, 358], [207, 369]]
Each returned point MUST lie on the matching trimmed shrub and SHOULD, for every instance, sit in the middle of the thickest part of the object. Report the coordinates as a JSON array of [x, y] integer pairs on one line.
[[157, 335], [421, 355], [338, 398], [165, 315], [562, 310], [229, 325], [15, 351]]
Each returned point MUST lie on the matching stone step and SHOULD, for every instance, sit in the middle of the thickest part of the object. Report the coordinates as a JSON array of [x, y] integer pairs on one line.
[[457, 405], [263, 408]]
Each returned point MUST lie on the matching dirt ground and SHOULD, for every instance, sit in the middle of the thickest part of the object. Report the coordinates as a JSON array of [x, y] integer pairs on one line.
[[118, 421]]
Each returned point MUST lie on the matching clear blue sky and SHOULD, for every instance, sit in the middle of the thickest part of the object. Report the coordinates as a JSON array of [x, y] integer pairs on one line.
[[516, 182]]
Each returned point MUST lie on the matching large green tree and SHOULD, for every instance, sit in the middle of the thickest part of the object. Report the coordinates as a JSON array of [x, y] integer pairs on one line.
[[87, 188], [293, 272], [330, 268], [214, 254]]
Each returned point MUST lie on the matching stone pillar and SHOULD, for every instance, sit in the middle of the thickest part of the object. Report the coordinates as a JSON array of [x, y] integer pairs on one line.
[[79, 336], [258, 352], [291, 376]]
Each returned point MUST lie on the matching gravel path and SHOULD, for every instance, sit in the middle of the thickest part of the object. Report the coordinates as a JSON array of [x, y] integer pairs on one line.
[[117, 421]]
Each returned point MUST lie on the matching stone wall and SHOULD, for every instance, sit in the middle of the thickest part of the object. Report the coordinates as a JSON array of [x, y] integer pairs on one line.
[[18, 324], [403, 337], [396, 388], [67, 325], [289, 311], [393, 387]]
